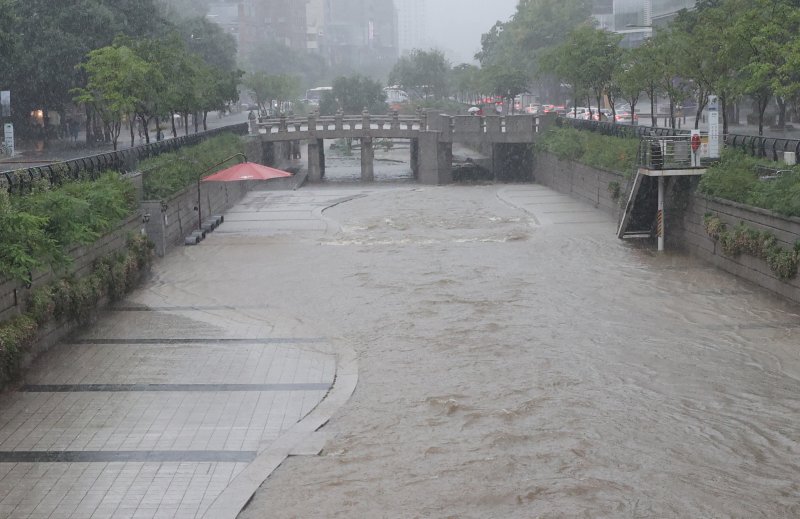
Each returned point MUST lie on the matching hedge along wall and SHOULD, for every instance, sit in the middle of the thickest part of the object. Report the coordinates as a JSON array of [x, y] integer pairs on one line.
[[583, 182], [14, 294], [687, 232]]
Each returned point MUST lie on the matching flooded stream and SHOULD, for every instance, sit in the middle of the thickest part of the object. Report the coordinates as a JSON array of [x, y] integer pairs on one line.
[[517, 360]]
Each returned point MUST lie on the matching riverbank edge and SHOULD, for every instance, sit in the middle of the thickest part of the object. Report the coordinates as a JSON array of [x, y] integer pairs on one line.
[[685, 219]]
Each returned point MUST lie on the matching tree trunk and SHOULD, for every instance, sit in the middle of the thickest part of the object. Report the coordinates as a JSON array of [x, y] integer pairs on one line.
[[723, 106], [172, 120], [88, 126], [205, 121], [186, 123], [196, 121], [762, 107], [131, 124], [781, 112], [633, 111], [653, 115], [671, 113], [158, 129]]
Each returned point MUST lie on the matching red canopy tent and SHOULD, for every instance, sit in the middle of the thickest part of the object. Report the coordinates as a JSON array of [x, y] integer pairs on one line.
[[246, 171]]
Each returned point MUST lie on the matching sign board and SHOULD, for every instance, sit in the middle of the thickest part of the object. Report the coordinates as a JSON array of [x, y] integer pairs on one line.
[[8, 137], [5, 103], [713, 127]]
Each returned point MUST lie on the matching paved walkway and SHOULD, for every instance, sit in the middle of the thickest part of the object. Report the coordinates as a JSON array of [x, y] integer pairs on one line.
[[156, 409]]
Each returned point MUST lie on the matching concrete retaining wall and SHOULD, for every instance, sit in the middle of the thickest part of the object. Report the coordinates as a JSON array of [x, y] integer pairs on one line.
[[687, 232], [693, 237], [582, 182], [172, 220]]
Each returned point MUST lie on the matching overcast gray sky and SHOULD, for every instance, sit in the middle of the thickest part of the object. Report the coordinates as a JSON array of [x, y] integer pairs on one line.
[[455, 26]]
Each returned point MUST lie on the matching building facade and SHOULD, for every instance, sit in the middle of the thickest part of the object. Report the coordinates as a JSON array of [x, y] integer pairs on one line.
[[279, 21], [635, 19], [361, 36], [412, 30]]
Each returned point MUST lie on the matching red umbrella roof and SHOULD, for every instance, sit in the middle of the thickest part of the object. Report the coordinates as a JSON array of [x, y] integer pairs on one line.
[[246, 171]]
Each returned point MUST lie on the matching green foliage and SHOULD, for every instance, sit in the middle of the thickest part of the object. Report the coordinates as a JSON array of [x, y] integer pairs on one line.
[[614, 189], [592, 149], [759, 244], [734, 178], [73, 300], [169, 173], [16, 336], [37, 230], [352, 95], [424, 72], [265, 88]]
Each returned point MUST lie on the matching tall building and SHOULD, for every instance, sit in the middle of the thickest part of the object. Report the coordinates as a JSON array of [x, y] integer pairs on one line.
[[635, 19], [315, 25], [280, 21], [412, 28], [361, 36]]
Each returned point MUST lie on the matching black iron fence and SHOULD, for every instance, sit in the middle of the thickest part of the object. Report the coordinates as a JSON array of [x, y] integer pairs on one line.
[[122, 161], [772, 148]]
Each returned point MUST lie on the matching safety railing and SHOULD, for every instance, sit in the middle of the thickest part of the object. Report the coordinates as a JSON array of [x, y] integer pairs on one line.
[[772, 148], [665, 152], [92, 166]]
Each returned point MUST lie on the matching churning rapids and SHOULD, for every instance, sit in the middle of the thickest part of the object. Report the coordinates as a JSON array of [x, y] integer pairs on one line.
[[516, 360]]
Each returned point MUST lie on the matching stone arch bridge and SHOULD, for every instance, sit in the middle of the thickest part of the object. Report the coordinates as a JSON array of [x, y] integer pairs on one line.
[[506, 140]]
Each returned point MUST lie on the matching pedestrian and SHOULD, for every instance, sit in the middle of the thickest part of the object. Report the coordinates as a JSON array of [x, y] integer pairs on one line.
[[74, 129]]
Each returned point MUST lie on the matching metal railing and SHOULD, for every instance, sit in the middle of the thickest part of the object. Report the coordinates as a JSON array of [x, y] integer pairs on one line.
[[92, 166], [665, 152], [772, 148]]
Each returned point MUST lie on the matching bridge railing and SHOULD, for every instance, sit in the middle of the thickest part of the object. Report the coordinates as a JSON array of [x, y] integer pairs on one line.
[[446, 124], [339, 122]]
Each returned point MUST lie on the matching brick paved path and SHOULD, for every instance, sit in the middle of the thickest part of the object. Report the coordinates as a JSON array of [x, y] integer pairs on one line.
[[156, 409]]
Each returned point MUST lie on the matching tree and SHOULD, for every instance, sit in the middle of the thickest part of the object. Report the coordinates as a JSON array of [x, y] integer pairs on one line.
[[353, 94], [504, 82], [630, 77], [113, 74], [55, 40], [466, 82], [266, 89], [425, 72]]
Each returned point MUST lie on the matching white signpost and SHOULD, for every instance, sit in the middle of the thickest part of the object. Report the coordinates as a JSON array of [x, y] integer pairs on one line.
[[8, 138], [713, 127]]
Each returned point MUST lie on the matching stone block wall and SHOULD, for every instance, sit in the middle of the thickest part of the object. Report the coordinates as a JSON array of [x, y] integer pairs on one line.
[[583, 182]]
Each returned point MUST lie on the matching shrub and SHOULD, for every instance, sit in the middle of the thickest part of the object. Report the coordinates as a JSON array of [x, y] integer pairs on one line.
[[37, 229], [169, 173], [734, 178], [760, 244], [601, 151]]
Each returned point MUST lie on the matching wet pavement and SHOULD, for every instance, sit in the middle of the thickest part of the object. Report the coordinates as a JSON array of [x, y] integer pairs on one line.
[[514, 360]]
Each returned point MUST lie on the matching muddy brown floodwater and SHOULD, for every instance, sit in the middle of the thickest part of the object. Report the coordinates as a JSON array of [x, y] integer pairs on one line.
[[516, 360]]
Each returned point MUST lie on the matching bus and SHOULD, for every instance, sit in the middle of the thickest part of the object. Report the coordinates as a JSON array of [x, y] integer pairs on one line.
[[314, 95]]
